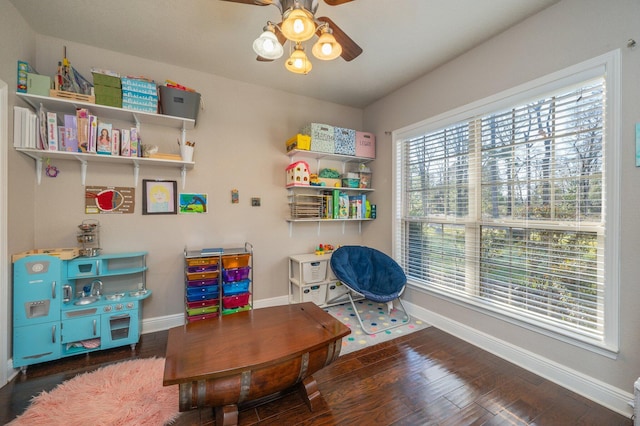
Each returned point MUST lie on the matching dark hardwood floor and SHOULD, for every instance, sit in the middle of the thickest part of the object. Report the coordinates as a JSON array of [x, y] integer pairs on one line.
[[425, 378]]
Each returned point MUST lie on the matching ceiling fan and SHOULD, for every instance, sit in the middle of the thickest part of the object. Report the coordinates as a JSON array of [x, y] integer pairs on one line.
[[300, 24]]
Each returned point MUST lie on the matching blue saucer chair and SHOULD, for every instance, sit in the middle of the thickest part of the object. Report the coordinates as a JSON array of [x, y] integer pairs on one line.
[[371, 274]]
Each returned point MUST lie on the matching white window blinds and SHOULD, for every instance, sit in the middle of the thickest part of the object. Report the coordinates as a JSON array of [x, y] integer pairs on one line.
[[506, 209]]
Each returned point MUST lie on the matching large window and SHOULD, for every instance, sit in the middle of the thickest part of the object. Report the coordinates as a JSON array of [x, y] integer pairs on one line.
[[510, 204]]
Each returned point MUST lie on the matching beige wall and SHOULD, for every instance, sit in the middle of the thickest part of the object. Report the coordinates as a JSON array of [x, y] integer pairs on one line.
[[565, 34], [240, 144]]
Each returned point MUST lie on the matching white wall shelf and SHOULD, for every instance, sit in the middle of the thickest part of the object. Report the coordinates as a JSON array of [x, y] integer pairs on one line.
[[41, 156], [65, 106]]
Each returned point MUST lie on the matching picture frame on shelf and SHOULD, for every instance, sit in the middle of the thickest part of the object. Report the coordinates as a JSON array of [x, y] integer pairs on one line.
[[159, 197]]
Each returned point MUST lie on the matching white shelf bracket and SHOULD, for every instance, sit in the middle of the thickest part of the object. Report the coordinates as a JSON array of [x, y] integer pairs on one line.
[[318, 228], [137, 120], [290, 229], [344, 224], [183, 176], [183, 135], [136, 173], [39, 169], [83, 172]]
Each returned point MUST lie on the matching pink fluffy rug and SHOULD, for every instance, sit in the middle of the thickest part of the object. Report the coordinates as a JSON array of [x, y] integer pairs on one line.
[[127, 393]]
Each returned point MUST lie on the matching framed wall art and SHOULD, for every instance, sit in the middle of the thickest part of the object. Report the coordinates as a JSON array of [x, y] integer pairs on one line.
[[159, 196]]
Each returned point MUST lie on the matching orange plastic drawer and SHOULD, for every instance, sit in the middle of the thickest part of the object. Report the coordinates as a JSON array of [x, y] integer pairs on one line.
[[235, 261], [202, 261]]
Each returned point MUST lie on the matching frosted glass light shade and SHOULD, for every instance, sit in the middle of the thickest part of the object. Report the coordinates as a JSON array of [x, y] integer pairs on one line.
[[298, 62], [298, 26], [326, 48], [267, 46]]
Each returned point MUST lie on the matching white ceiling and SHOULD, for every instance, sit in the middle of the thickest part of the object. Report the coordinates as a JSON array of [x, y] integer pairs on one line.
[[401, 39]]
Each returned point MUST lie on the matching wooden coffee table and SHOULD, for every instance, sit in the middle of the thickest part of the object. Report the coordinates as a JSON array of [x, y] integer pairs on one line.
[[247, 356]]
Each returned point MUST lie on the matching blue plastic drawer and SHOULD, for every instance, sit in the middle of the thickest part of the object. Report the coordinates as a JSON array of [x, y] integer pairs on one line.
[[210, 289], [229, 289]]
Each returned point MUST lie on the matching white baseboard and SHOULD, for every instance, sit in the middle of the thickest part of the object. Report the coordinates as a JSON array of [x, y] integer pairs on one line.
[[151, 325], [602, 393]]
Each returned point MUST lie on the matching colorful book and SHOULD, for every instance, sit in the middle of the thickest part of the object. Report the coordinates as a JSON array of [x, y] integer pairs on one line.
[[134, 142], [125, 142], [82, 122], [52, 131], [93, 133], [115, 142], [71, 134], [104, 139]]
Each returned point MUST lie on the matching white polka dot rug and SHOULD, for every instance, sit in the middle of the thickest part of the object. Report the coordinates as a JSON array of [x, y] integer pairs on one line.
[[374, 316]]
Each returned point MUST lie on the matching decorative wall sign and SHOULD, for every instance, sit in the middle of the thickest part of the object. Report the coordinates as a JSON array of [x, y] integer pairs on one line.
[[159, 197], [193, 203], [109, 199]]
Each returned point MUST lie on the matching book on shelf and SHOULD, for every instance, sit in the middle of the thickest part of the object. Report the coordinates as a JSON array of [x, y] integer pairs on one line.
[[52, 131]]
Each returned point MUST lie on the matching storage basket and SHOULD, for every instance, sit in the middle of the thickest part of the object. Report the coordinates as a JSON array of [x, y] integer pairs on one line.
[[312, 272], [235, 301], [231, 289], [315, 293]]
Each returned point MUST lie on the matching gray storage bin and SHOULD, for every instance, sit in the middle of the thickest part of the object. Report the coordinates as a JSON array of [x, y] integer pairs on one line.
[[179, 103]]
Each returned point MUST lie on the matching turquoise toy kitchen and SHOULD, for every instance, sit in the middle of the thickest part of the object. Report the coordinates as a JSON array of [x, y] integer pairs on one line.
[[74, 305]]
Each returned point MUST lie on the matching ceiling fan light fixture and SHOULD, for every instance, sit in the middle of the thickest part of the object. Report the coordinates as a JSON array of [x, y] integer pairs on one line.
[[298, 62], [267, 45], [326, 48], [298, 25]]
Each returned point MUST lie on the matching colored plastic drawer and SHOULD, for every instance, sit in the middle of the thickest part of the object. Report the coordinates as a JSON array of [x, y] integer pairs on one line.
[[236, 274], [202, 268], [200, 283], [231, 302], [202, 261], [202, 317], [235, 261], [202, 311], [200, 297], [202, 276], [233, 311], [209, 289], [202, 303], [231, 289]]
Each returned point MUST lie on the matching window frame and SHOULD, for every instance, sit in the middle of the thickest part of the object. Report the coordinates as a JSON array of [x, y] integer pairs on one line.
[[609, 63]]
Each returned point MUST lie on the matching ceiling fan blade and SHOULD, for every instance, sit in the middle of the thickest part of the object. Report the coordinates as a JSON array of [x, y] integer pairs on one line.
[[350, 49], [253, 2], [336, 2]]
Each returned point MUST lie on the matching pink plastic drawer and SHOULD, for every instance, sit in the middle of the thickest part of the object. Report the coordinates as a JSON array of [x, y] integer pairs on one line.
[[202, 317], [202, 303], [230, 302]]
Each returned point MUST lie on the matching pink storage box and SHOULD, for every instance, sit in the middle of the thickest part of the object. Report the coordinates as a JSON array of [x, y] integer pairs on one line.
[[365, 145], [230, 302]]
